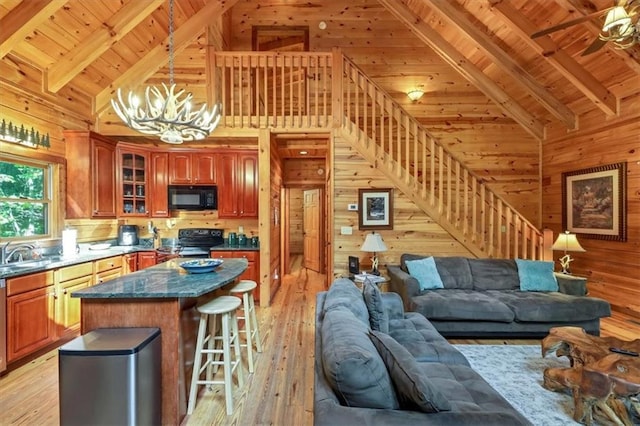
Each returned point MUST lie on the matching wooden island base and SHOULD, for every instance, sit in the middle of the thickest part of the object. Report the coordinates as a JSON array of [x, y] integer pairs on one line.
[[177, 320]]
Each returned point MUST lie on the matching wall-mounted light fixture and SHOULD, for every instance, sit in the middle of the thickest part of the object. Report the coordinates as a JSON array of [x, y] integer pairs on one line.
[[415, 94], [21, 136]]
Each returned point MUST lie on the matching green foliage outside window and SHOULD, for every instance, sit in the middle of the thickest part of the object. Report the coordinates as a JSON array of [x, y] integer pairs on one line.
[[24, 201]]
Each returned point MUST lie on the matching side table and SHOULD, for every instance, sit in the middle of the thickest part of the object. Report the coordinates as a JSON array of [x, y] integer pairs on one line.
[[382, 281]]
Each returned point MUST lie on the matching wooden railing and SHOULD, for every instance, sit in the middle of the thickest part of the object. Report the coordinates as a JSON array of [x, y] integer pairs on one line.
[[291, 91], [431, 176], [281, 90]]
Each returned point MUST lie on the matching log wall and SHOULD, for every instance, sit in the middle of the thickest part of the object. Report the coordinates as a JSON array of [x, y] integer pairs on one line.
[[612, 267]]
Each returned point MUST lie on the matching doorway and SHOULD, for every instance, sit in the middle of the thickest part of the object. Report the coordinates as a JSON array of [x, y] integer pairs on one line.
[[305, 229]]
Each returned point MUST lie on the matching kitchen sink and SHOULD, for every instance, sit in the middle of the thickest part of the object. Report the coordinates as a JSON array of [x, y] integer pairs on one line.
[[27, 265]]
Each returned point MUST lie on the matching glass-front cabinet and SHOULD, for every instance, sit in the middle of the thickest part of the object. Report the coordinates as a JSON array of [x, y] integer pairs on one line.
[[133, 187]]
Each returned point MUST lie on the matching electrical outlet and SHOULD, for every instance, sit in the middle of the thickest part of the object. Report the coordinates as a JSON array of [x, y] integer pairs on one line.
[[352, 207], [346, 230]]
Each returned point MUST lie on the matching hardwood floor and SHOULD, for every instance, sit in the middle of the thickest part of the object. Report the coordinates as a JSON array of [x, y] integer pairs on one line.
[[280, 392]]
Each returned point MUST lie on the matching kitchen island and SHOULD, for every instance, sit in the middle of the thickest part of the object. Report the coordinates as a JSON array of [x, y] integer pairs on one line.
[[163, 296]]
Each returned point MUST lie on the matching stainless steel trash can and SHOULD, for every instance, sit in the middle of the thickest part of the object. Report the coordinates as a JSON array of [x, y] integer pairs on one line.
[[111, 376]]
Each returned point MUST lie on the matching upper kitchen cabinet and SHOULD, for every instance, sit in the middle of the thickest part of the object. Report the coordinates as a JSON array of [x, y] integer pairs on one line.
[[91, 158], [133, 194], [238, 184], [193, 168], [159, 184]]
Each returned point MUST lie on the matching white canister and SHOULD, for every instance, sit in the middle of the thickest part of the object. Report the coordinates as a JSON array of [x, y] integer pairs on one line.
[[69, 242]]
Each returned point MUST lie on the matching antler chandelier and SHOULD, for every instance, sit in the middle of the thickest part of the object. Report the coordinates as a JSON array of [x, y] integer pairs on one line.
[[619, 28], [163, 112]]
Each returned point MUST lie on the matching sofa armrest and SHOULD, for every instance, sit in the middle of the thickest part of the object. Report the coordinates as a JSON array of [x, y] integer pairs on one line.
[[392, 304], [572, 285], [403, 284]]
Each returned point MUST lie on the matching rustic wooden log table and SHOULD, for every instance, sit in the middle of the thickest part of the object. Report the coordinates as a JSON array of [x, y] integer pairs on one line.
[[605, 385]]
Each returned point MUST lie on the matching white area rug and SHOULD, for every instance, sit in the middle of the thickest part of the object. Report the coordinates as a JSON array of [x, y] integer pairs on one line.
[[516, 372]]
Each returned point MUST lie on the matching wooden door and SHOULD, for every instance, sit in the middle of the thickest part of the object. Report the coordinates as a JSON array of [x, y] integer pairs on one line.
[[248, 184], [311, 229], [227, 186], [103, 176], [204, 168], [180, 168], [146, 259], [68, 315], [30, 324], [159, 185]]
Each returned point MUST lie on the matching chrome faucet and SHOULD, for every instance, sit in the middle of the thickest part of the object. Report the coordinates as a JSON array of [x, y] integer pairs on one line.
[[6, 254]]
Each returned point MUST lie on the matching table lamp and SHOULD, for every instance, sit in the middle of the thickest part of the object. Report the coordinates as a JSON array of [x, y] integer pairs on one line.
[[373, 243], [567, 242]]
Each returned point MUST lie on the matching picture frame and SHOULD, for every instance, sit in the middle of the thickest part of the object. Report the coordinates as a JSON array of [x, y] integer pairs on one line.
[[594, 202], [376, 208]]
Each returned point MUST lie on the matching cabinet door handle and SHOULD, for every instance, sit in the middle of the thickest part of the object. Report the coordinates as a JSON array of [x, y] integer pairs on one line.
[[54, 295], [64, 291]]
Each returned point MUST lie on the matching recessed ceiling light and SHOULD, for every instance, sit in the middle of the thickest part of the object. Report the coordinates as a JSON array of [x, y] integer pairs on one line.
[[303, 152]]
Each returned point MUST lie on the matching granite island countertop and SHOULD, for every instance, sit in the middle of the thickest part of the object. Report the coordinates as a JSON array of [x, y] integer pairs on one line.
[[166, 280]]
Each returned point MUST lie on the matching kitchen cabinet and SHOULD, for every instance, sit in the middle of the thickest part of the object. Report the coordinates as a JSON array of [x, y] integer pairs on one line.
[[238, 184], [253, 270], [30, 314], [129, 263], [146, 259], [91, 163], [159, 184], [132, 192], [193, 168], [107, 269], [68, 280]]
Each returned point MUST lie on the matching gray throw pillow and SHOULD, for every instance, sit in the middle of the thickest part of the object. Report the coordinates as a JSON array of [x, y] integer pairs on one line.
[[413, 389], [378, 318]]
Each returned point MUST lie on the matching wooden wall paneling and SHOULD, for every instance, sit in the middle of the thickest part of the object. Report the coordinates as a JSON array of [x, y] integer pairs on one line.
[[295, 220], [610, 266]]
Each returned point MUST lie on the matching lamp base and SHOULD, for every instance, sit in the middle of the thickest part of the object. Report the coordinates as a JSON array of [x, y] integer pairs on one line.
[[374, 272]]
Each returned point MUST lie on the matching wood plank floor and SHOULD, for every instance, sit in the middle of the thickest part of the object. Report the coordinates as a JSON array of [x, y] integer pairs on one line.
[[280, 392]]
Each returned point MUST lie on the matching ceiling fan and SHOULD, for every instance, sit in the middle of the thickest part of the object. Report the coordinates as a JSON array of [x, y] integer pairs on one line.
[[621, 26]]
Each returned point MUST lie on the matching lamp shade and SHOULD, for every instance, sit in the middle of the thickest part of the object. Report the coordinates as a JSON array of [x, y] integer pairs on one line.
[[373, 243], [415, 94], [567, 242]]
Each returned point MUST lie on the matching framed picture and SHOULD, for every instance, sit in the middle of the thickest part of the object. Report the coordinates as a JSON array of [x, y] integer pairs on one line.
[[594, 202], [376, 208]]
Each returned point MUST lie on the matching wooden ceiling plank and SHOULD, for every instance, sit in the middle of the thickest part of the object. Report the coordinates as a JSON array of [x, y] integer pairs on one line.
[[558, 58], [454, 58], [157, 57], [631, 57], [505, 62], [116, 27], [23, 19]]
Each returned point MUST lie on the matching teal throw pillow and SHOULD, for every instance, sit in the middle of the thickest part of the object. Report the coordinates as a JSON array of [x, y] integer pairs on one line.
[[425, 271], [536, 275]]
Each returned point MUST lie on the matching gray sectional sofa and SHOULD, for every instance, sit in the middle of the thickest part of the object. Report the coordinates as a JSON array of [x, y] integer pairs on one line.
[[377, 365], [483, 298]]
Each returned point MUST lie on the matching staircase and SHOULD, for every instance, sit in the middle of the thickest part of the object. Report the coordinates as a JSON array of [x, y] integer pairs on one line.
[[455, 197]]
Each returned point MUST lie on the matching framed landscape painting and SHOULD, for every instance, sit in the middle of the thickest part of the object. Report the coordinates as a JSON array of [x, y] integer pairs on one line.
[[376, 208], [594, 202]]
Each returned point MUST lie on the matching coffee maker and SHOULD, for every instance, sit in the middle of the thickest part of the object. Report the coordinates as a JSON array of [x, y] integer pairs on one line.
[[128, 235]]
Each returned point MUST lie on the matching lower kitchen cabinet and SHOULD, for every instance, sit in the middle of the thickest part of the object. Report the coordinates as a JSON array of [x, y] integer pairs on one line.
[[107, 269], [68, 280], [146, 259], [31, 304], [253, 270], [129, 263]]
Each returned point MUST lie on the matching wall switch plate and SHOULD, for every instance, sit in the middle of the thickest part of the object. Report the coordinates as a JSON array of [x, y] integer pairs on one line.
[[346, 230], [352, 207]]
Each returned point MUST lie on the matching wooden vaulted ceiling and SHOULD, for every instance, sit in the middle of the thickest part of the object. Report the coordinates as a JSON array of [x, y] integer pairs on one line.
[[474, 59]]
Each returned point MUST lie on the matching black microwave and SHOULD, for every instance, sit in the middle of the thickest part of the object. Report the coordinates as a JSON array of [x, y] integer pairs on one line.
[[194, 197]]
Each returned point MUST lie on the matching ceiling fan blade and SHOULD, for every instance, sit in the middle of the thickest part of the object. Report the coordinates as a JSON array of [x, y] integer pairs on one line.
[[597, 44], [570, 23]]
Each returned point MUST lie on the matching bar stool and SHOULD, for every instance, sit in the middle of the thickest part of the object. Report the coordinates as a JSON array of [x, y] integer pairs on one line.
[[251, 329], [225, 307]]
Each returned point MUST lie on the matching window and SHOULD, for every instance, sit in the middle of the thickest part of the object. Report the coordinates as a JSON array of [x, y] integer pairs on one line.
[[25, 198]]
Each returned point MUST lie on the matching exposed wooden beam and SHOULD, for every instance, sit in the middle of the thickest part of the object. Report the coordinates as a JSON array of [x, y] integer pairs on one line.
[[457, 18], [631, 57], [558, 58], [23, 19], [469, 71], [110, 32], [157, 57]]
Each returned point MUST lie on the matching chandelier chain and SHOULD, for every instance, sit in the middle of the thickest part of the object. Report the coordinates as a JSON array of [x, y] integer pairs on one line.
[[171, 42]]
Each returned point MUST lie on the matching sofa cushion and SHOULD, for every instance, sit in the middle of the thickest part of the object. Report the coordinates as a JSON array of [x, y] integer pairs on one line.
[[351, 363], [425, 271], [344, 293], [551, 306], [461, 305], [494, 274], [413, 389], [536, 275], [423, 341], [378, 317], [454, 272]]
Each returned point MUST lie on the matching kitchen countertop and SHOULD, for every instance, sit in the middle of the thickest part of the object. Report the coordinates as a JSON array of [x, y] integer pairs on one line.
[[166, 280]]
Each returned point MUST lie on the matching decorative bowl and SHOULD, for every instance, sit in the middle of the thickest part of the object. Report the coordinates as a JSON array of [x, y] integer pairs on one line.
[[102, 246], [200, 266]]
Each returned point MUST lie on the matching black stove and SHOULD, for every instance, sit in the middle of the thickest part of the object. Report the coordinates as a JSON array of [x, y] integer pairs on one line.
[[195, 242]]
